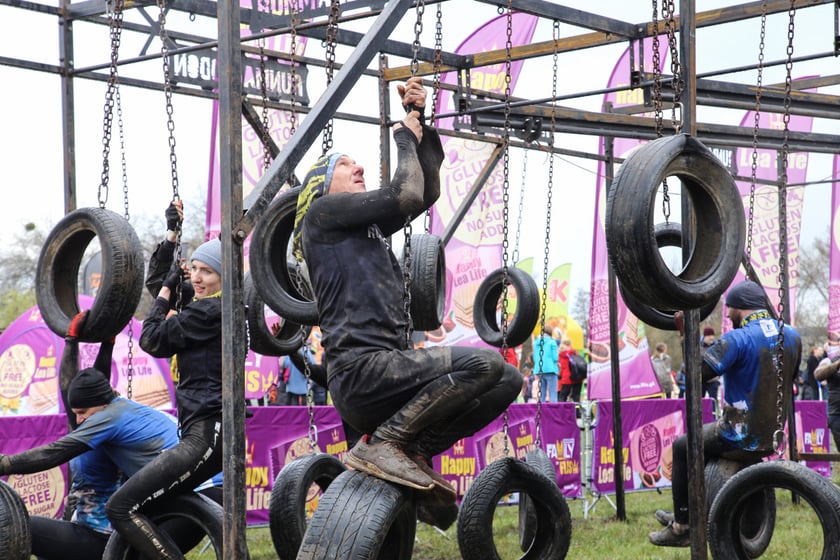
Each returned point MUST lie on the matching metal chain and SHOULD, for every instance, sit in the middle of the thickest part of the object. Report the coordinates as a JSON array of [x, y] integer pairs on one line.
[[332, 35], [123, 165], [757, 116], [294, 20], [407, 277], [515, 257], [265, 134], [780, 349], [657, 73], [547, 243], [312, 432], [668, 12], [438, 60], [506, 198], [418, 31], [115, 29]]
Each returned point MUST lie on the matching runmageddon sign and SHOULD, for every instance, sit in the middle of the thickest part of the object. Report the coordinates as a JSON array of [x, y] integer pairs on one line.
[[199, 68]]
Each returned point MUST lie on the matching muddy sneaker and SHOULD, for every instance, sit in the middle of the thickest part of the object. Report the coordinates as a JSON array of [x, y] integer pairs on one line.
[[667, 537], [664, 517], [442, 494], [441, 517], [385, 460]]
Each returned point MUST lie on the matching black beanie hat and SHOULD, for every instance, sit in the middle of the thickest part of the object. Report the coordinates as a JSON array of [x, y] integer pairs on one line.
[[88, 389], [746, 295]]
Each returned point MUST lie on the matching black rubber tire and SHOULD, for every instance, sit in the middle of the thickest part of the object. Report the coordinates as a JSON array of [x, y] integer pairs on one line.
[[15, 535], [57, 277], [759, 519], [667, 235], [428, 282], [287, 510], [273, 275], [191, 507], [715, 255], [360, 517], [527, 512], [486, 303], [731, 502], [260, 338], [506, 475]]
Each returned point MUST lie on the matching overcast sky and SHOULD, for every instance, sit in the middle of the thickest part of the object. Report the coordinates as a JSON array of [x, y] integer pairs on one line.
[[32, 152]]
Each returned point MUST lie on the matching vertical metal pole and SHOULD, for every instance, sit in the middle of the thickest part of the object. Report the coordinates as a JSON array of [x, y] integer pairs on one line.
[[68, 121], [384, 131], [233, 306], [618, 441], [691, 344]]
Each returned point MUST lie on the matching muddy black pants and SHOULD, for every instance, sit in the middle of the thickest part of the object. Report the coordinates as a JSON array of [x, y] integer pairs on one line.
[[196, 458], [425, 399]]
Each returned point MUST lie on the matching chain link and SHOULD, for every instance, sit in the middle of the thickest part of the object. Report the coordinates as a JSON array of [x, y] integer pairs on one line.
[[657, 73], [756, 120], [438, 60], [115, 30], [123, 165], [506, 197], [418, 31], [265, 134], [780, 350], [515, 257], [332, 35], [668, 13], [294, 21]]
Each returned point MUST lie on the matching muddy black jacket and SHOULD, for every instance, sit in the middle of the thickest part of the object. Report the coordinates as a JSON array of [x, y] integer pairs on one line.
[[357, 279], [195, 335]]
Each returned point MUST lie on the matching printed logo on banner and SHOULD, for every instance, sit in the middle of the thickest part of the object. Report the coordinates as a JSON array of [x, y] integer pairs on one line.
[[568, 448]]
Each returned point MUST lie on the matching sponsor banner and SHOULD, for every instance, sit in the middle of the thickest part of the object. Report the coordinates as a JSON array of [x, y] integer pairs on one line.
[[638, 378], [649, 428], [30, 356]]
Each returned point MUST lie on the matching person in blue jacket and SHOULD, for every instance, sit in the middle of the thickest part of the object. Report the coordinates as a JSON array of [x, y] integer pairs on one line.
[[755, 399]]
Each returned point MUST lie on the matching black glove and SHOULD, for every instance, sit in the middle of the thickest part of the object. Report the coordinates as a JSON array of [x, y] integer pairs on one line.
[[175, 276], [173, 219]]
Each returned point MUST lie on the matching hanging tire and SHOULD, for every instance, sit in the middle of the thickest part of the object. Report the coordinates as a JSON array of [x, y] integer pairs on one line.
[[428, 282], [280, 287], [260, 338], [475, 519], [759, 511], [360, 517], [15, 535], [730, 505], [715, 255], [487, 302], [667, 235], [57, 277], [174, 515], [287, 510], [527, 512]]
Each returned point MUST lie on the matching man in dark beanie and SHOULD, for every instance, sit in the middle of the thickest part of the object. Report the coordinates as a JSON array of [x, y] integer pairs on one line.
[[90, 389], [745, 358], [110, 437]]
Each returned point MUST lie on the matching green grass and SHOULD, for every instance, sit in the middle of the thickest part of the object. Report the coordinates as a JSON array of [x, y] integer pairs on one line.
[[600, 536]]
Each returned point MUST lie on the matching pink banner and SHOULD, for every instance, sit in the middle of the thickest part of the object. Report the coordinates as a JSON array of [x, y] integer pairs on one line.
[[650, 427], [475, 248], [30, 356], [834, 258], [764, 249], [638, 378]]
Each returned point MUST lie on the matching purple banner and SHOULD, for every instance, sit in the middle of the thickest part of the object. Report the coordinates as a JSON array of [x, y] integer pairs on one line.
[[649, 427], [475, 248], [638, 378], [764, 248], [834, 258], [43, 492], [30, 354]]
